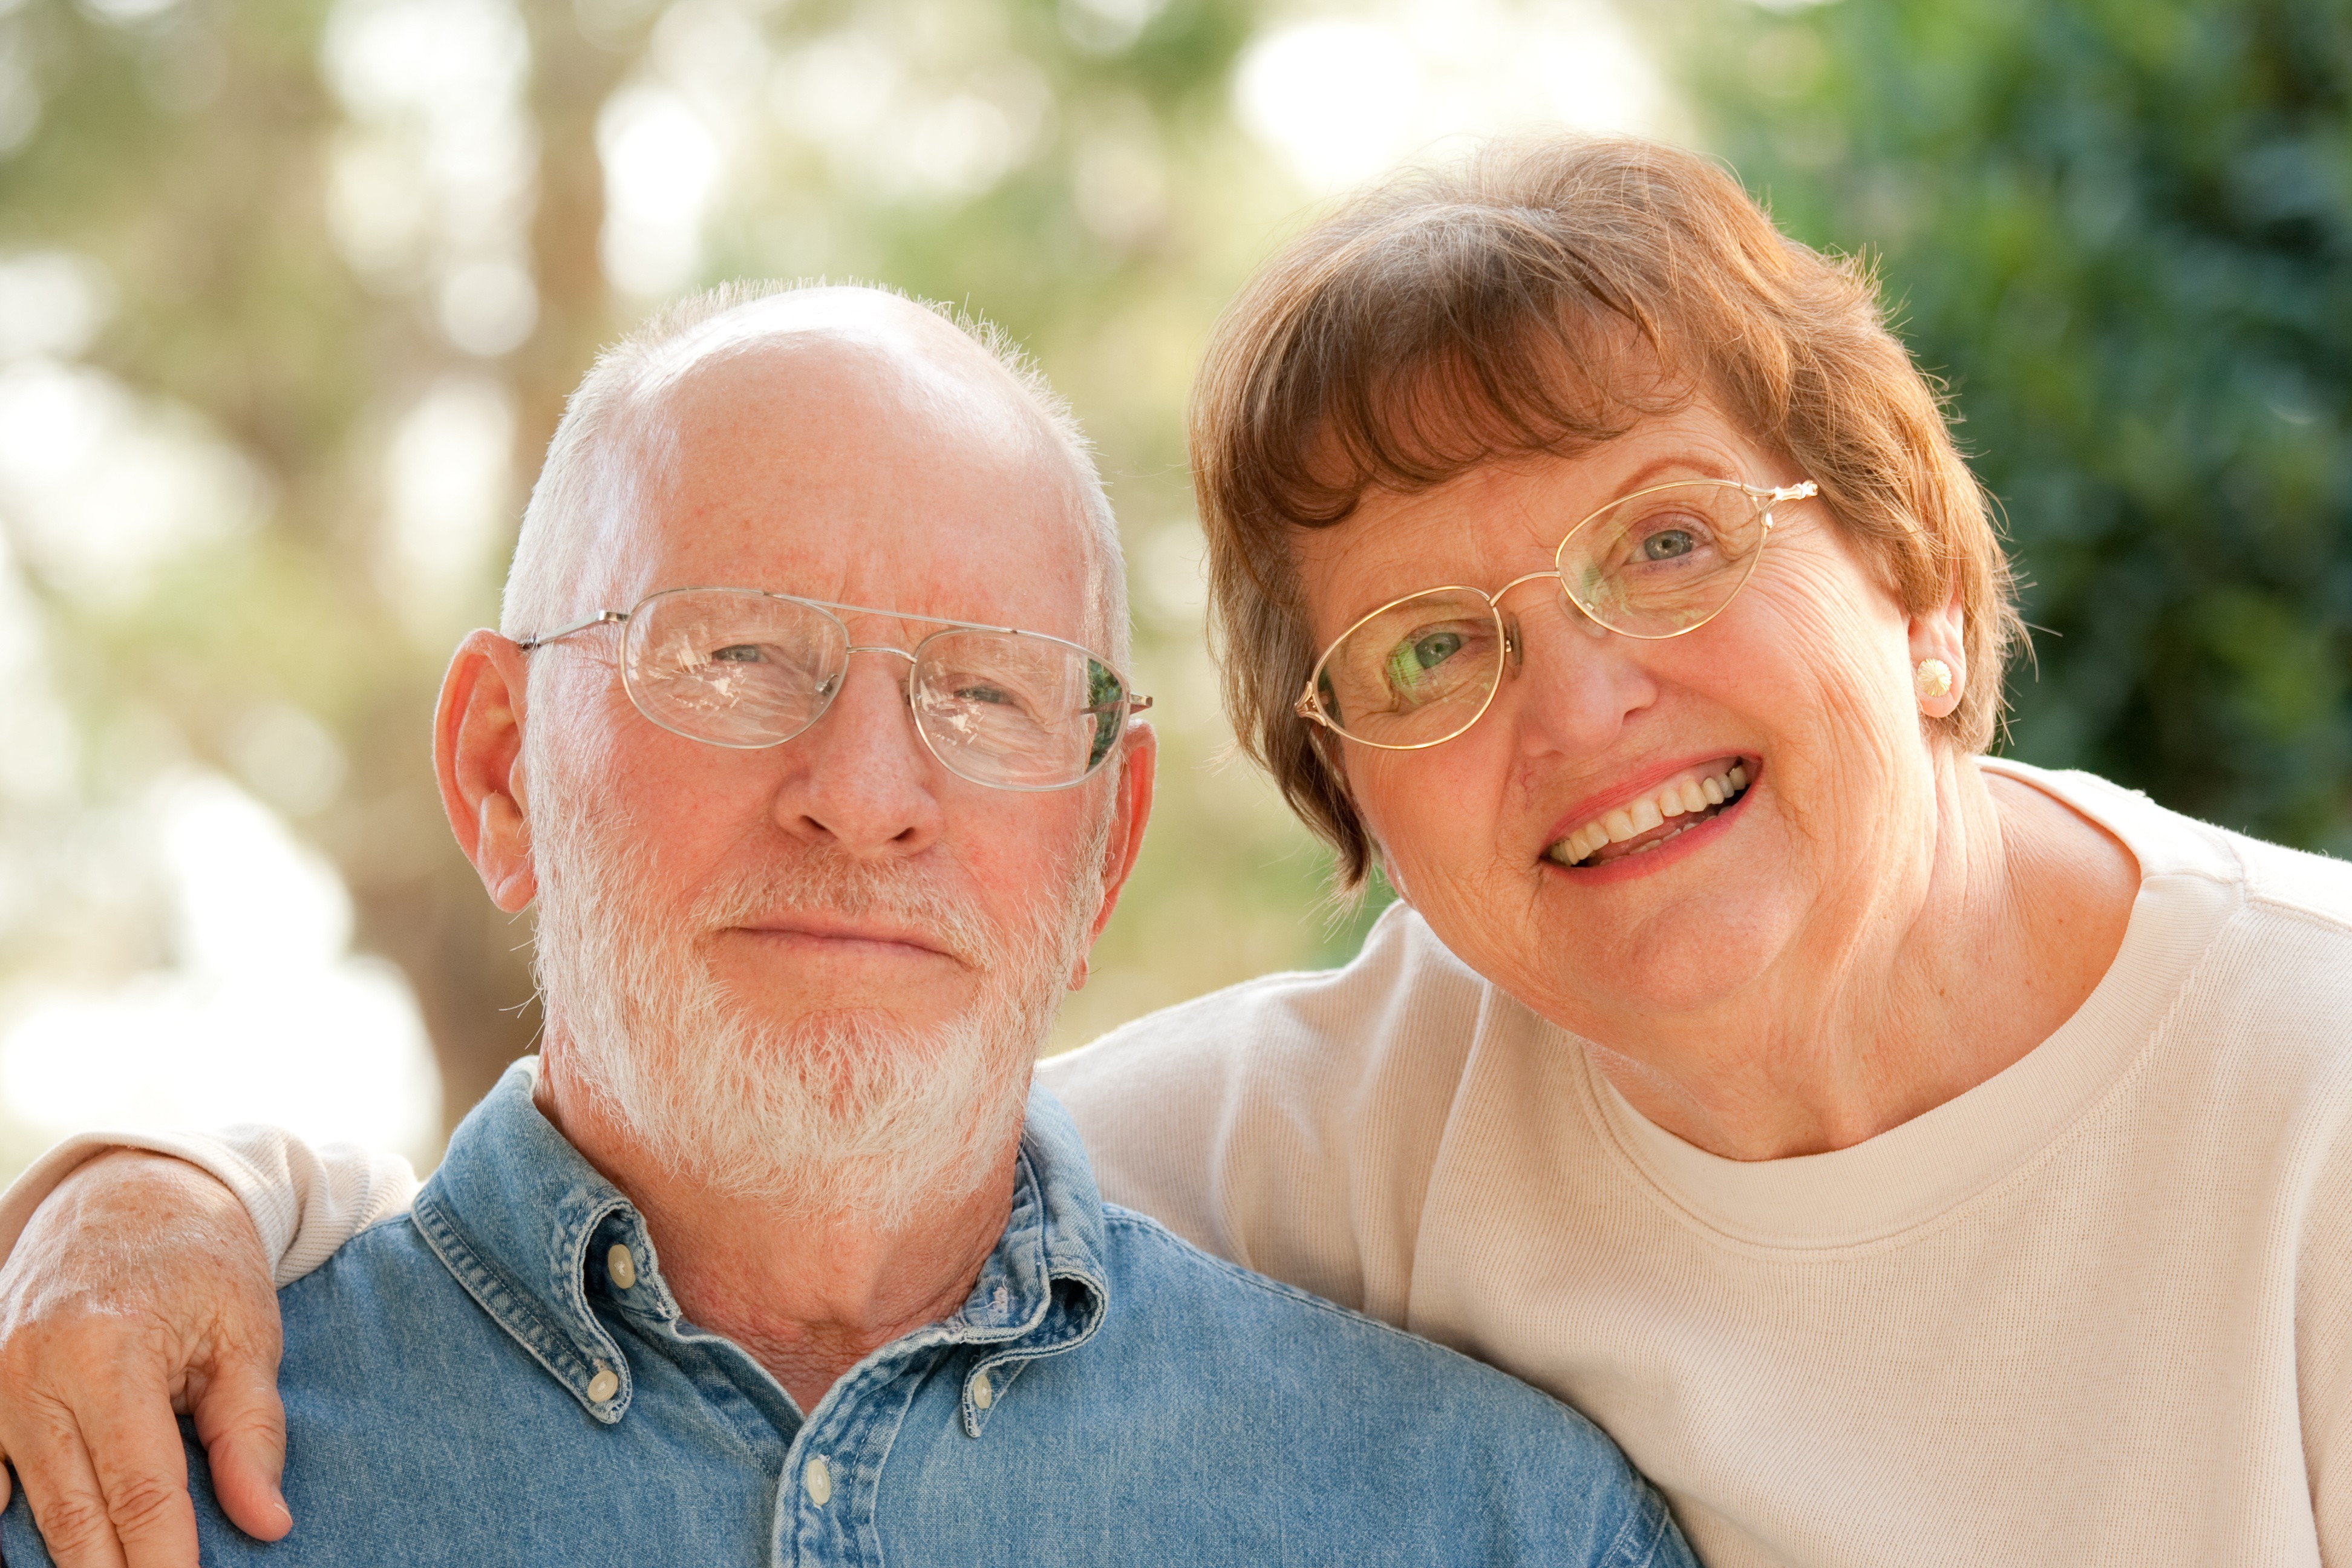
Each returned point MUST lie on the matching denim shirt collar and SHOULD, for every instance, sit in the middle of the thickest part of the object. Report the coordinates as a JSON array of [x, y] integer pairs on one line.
[[528, 1227]]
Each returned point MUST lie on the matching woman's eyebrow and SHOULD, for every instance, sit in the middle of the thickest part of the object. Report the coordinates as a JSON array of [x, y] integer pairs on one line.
[[1692, 466]]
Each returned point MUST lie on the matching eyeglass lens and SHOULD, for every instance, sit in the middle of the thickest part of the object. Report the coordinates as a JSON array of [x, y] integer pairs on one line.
[[1655, 564], [738, 668], [1660, 563]]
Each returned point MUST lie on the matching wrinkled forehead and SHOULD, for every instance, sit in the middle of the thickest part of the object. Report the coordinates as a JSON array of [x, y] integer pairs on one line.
[[889, 465]]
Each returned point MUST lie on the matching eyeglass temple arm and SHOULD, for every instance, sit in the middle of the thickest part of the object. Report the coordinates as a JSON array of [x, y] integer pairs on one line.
[[1802, 490], [598, 619]]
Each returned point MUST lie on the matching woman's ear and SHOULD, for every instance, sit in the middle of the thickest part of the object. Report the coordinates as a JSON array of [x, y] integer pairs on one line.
[[1940, 660]]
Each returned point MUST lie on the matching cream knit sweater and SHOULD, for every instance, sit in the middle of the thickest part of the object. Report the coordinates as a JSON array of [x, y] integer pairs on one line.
[[2097, 1309]]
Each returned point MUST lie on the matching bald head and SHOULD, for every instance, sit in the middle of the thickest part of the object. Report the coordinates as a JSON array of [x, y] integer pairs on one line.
[[860, 372]]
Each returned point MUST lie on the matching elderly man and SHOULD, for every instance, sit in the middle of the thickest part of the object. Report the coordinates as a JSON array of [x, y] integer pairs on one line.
[[775, 1256]]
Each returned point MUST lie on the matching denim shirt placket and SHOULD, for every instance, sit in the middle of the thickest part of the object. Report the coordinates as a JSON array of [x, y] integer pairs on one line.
[[530, 1233], [1013, 1315], [832, 1462]]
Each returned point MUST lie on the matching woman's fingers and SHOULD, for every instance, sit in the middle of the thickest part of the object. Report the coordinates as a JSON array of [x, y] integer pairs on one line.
[[130, 1509], [242, 1426], [139, 1283]]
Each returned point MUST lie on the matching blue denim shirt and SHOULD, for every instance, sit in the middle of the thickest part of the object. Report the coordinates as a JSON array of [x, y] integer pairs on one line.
[[480, 1383]]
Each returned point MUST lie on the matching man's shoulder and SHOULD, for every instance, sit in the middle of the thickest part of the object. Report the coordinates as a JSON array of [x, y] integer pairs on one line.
[[381, 1323], [1241, 1324], [388, 1256], [1347, 1420]]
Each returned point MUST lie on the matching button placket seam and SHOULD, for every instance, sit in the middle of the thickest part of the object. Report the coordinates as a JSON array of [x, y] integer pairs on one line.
[[881, 1414], [1015, 1358], [513, 1310]]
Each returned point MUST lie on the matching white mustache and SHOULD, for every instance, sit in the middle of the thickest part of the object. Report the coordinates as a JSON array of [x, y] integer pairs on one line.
[[833, 883]]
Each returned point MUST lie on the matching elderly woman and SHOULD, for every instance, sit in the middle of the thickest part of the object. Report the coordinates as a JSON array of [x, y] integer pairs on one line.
[[1907, 1156]]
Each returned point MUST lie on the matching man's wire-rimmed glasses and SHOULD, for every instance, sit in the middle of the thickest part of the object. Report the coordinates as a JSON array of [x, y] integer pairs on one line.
[[745, 668], [1659, 562]]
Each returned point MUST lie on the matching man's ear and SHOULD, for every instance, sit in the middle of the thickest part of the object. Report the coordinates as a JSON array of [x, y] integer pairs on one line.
[[1139, 766], [477, 757]]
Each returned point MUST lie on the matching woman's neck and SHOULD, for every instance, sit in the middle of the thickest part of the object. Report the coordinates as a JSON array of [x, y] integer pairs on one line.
[[1913, 993]]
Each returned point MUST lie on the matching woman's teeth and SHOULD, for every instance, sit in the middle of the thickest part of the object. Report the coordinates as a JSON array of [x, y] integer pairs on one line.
[[1697, 798]]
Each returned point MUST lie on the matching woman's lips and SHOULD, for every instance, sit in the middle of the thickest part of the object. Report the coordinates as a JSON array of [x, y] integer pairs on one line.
[[1681, 803]]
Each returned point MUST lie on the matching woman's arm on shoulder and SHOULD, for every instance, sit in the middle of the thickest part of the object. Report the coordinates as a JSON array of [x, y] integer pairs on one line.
[[137, 1285], [304, 1202]]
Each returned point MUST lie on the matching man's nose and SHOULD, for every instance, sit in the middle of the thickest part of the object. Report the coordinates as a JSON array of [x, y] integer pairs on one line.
[[860, 777]]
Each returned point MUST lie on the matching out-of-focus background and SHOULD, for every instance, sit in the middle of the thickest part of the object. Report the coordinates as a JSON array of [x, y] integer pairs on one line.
[[291, 290]]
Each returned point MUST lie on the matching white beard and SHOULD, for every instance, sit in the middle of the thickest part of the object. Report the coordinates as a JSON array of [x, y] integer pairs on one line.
[[833, 1113]]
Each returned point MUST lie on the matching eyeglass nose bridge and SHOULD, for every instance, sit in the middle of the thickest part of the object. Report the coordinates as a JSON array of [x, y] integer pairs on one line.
[[876, 647], [832, 686], [1515, 645]]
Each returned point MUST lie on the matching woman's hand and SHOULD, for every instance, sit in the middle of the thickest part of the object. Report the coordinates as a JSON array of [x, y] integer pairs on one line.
[[139, 1289]]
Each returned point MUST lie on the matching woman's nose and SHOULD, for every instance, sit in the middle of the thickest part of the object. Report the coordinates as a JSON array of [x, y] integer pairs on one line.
[[1574, 683]]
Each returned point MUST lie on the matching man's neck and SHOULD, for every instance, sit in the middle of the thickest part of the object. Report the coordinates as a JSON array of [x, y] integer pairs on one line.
[[808, 1295]]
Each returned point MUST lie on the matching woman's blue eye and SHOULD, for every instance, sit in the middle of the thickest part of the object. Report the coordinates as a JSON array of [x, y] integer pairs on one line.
[[1409, 660], [1435, 649], [1668, 543]]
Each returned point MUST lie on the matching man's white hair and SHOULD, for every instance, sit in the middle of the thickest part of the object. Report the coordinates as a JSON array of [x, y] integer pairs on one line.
[[613, 452]]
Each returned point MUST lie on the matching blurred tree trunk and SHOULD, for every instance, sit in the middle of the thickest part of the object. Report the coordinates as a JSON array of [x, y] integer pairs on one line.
[[468, 962], [572, 80]]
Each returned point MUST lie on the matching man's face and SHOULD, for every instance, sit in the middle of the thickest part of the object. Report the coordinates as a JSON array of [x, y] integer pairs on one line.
[[836, 926]]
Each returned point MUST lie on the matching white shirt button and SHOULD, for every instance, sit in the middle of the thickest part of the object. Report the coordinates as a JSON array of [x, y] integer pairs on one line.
[[983, 1396], [602, 1386], [817, 1477], [622, 1267]]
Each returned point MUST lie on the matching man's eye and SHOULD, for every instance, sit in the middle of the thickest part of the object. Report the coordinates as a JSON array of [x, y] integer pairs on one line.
[[739, 653], [981, 691]]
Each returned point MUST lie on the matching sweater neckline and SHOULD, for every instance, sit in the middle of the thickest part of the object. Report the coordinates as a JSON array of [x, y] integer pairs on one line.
[[2191, 882]]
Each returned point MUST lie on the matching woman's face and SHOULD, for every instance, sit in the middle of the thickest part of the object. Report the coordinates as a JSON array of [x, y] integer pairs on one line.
[[1803, 684]]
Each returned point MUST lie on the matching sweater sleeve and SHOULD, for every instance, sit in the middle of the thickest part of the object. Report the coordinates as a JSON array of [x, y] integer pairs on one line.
[[305, 1202]]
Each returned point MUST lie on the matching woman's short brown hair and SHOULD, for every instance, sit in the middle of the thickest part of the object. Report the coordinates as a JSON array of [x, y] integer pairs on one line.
[[1452, 317]]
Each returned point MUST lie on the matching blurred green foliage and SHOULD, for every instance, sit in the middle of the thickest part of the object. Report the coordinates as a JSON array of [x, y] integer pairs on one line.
[[2122, 231]]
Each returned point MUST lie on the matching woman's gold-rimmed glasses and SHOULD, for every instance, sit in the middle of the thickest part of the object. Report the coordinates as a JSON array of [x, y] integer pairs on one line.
[[745, 668], [1656, 563]]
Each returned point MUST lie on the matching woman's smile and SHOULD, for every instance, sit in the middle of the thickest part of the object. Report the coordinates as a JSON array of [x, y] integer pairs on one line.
[[1645, 818]]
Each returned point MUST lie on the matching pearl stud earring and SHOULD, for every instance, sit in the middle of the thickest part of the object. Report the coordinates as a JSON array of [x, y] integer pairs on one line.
[[1933, 678]]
